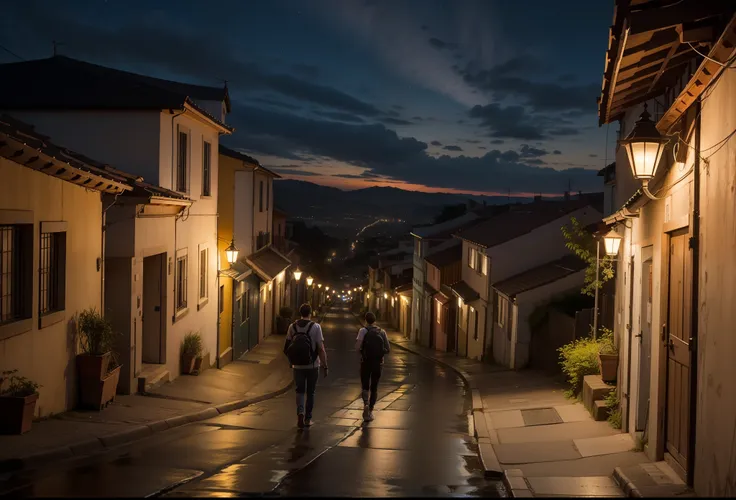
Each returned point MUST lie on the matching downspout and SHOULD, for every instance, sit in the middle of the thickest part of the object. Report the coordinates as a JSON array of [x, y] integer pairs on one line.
[[695, 246], [630, 330]]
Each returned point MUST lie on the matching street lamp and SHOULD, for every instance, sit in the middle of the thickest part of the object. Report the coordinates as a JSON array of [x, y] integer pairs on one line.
[[319, 285], [297, 274], [310, 280], [327, 288], [385, 295], [612, 242], [231, 252], [644, 147]]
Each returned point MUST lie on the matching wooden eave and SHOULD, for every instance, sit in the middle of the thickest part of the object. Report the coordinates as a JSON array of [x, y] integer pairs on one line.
[[32, 158], [644, 54], [723, 50]]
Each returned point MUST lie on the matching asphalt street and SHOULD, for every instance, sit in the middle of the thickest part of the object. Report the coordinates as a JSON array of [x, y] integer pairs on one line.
[[418, 445]]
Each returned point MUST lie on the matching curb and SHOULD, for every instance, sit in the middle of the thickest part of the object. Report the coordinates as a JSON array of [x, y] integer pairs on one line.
[[623, 481], [491, 466], [516, 485], [97, 444]]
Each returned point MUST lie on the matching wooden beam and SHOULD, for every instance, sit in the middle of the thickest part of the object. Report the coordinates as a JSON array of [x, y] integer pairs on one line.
[[664, 65], [723, 50], [654, 19]]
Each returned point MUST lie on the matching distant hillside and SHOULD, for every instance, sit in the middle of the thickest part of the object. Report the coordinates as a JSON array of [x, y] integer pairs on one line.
[[311, 200]]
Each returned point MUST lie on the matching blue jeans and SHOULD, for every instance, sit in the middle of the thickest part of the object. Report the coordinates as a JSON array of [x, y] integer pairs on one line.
[[306, 382]]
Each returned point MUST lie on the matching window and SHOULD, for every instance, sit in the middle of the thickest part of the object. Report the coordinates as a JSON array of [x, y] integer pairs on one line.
[[268, 196], [52, 272], [501, 311], [477, 261], [417, 247], [260, 198], [181, 282], [206, 169], [473, 322], [484, 265], [16, 272], [471, 257], [181, 164], [439, 312], [203, 273], [222, 299]]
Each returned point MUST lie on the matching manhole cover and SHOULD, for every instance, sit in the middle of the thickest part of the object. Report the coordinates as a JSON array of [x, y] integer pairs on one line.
[[541, 416]]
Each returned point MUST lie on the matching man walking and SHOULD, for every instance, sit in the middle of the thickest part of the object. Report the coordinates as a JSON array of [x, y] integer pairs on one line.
[[305, 348], [373, 345]]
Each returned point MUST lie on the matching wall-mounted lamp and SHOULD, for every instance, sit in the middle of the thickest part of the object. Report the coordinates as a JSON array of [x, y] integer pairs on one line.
[[297, 274], [231, 252], [612, 242], [644, 147], [310, 280]]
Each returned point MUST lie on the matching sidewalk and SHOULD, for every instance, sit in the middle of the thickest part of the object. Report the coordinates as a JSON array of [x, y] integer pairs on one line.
[[542, 442], [260, 374]]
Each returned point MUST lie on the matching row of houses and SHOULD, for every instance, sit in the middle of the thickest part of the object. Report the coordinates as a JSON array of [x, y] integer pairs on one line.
[[118, 195], [474, 280]]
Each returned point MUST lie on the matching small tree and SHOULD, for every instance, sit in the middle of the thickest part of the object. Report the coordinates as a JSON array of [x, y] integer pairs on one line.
[[583, 244]]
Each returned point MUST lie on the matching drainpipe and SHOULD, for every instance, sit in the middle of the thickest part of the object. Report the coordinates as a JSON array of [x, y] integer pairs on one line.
[[695, 246], [630, 330]]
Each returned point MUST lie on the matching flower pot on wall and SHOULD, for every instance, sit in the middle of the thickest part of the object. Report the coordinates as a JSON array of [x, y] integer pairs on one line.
[[187, 364], [16, 413], [608, 364], [96, 394]]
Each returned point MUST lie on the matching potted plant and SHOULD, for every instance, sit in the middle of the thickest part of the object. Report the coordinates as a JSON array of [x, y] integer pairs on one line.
[[283, 320], [191, 353], [607, 356], [97, 368], [17, 403]]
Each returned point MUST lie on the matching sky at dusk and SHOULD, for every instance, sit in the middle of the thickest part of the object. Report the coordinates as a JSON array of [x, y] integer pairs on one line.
[[476, 96]]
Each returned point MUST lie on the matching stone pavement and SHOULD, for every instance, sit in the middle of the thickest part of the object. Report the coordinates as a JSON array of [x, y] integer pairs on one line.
[[545, 444], [260, 374]]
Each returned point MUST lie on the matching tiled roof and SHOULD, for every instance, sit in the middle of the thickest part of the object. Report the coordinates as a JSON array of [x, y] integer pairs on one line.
[[224, 150], [506, 227], [61, 82], [447, 256], [55, 158], [464, 291], [267, 263], [541, 275]]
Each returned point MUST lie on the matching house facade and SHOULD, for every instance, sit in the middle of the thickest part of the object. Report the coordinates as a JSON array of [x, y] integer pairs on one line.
[[160, 264], [525, 237], [444, 269], [52, 249], [675, 266]]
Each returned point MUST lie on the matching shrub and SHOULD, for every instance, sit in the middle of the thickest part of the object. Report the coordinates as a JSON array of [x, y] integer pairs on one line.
[[606, 344], [580, 358], [192, 345], [614, 405], [18, 387], [96, 336]]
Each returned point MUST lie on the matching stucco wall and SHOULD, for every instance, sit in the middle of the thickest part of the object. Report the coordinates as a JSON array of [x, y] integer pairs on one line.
[[715, 455], [47, 355], [475, 345], [263, 221]]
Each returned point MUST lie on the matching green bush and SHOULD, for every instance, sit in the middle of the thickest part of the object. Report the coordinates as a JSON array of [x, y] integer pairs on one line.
[[192, 344], [580, 358], [614, 405], [18, 387], [96, 336]]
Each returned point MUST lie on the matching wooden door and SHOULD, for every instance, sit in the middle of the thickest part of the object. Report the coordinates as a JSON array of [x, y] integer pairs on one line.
[[645, 344], [678, 348]]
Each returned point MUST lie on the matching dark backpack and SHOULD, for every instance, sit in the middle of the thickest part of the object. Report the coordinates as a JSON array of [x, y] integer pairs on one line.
[[300, 350], [373, 346]]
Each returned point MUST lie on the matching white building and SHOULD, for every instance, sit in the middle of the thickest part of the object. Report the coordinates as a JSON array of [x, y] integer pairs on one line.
[[161, 263]]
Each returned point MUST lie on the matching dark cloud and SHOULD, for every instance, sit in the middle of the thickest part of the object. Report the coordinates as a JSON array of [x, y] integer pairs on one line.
[[556, 152], [425, 27], [436, 143], [564, 131], [497, 141], [510, 122], [398, 107], [528, 151], [470, 141], [418, 118], [291, 171], [567, 77], [593, 155], [441, 45], [395, 121], [452, 147], [306, 70], [275, 102], [534, 161], [482, 147], [339, 116]]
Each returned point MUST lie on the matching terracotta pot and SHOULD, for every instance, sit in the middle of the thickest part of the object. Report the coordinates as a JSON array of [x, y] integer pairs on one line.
[[93, 367], [608, 364], [16, 414], [197, 365], [96, 394], [187, 364]]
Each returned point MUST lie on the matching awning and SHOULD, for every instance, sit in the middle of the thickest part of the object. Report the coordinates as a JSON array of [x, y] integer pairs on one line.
[[429, 290], [442, 298], [268, 263], [464, 291], [237, 271], [404, 289]]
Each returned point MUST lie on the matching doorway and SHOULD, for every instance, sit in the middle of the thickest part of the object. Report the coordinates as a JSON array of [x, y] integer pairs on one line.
[[154, 305], [645, 339], [677, 346]]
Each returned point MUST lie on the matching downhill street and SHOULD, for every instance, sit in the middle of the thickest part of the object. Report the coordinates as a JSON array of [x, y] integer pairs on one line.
[[419, 443]]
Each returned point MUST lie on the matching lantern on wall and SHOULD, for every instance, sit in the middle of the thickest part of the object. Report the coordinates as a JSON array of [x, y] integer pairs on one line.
[[612, 242], [231, 252], [310, 280], [644, 147], [297, 274]]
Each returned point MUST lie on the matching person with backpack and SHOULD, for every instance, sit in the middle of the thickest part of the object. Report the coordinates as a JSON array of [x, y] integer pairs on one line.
[[373, 346], [305, 348]]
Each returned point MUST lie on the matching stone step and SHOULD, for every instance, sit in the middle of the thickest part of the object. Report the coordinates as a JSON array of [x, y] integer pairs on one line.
[[594, 389], [152, 377], [601, 411]]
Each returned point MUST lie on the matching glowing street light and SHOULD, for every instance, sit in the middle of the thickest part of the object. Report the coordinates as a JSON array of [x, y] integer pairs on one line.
[[297, 274], [612, 242], [231, 252], [644, 147], [310, 280]]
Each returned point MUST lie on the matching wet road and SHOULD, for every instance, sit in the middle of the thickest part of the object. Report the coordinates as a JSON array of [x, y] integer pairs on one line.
[[418, 444]]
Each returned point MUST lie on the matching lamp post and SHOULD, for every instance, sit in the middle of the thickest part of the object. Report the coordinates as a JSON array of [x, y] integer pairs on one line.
[[644, 147], [231, 252], [611, 242]]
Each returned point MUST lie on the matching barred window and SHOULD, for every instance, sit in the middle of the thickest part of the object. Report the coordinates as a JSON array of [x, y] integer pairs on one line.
[[51, 272], [203, 273], [181, 165], [181, 283], [206, 169], [11, 274]]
